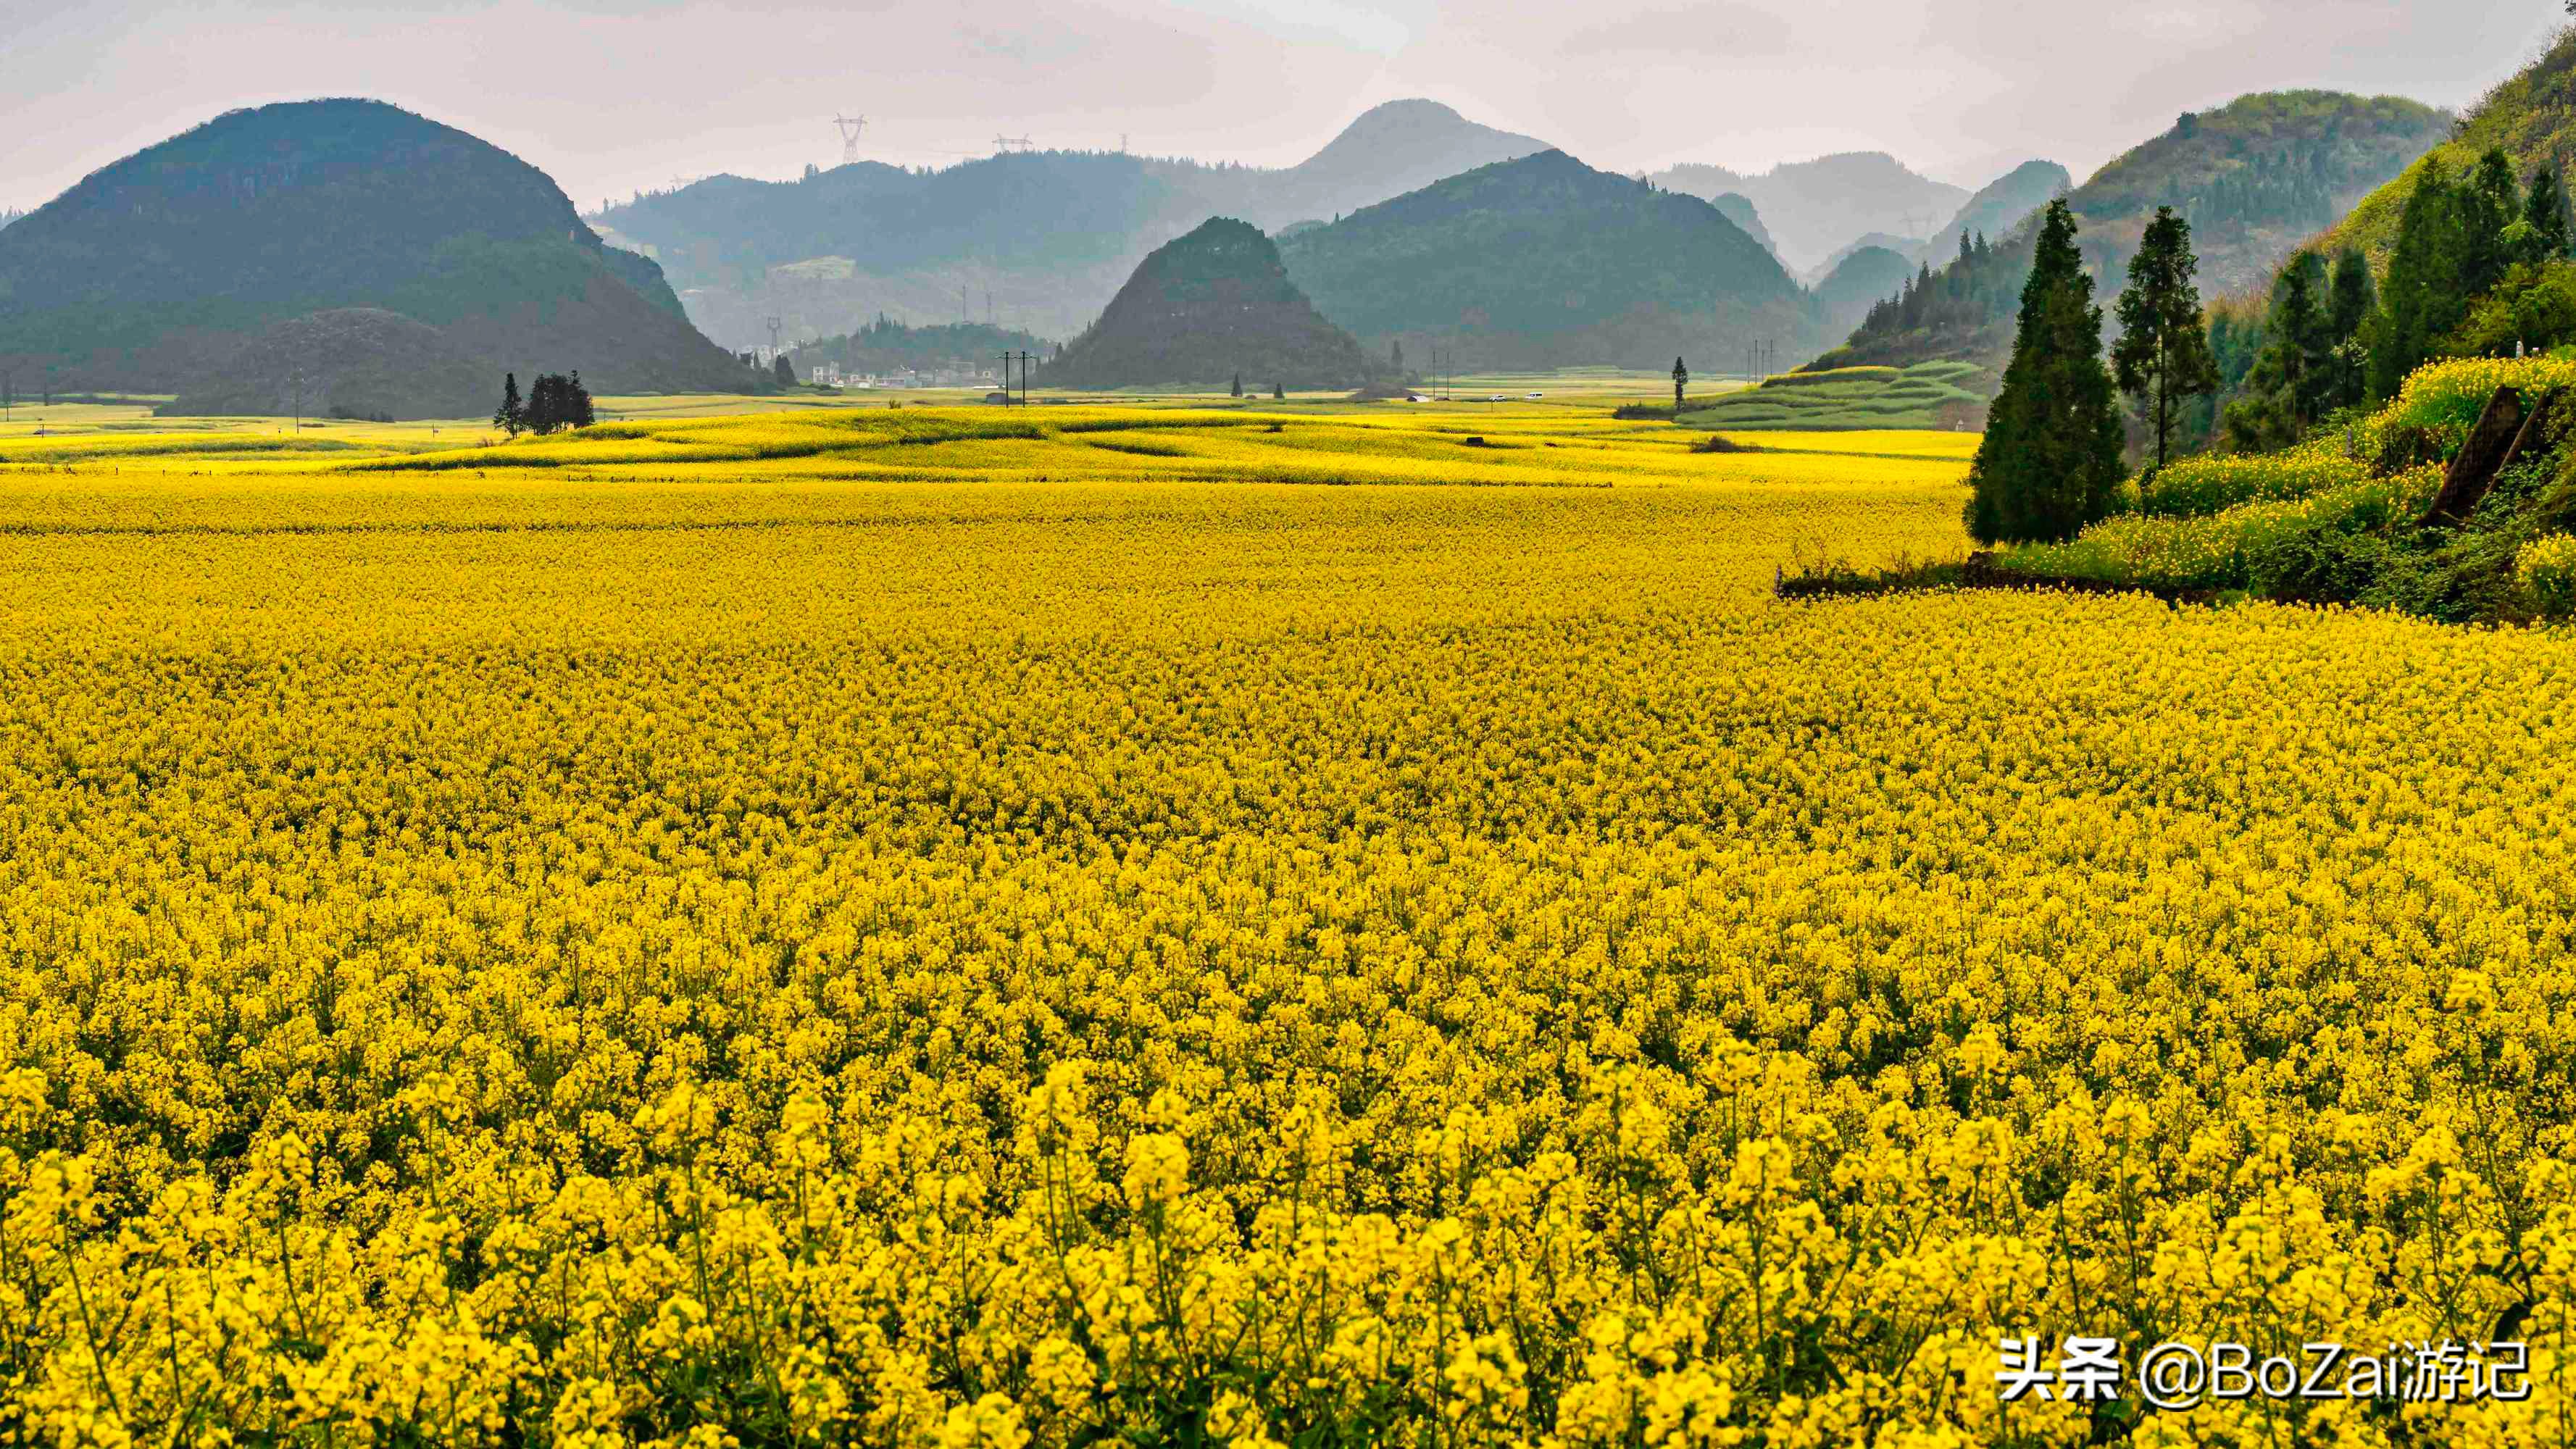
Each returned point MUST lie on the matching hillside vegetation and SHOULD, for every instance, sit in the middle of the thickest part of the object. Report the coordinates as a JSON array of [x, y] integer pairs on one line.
[[2254, 178], [356, 361], [1211, 309], [889, 346], [1857, 283], [1546, 262], [2531, 117], [152, 273], [1942, 395], [2457, 501]]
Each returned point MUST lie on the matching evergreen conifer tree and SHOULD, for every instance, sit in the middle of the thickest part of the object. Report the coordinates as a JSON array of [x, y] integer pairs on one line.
[[2050, 460], [2425, 295], [576, 403], [512, 416], [2352, 297], [784, 371], [2163, 355], [1238, 384], [2551, 234], [1681, 379], [2293, 381], [2488, 204], [545, 404]]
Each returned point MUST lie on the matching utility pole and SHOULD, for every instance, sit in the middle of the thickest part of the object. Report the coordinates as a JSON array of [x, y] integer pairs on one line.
[[8, 397], [299, 398]]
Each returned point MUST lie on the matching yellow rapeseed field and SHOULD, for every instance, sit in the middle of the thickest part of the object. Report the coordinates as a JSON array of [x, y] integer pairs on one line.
[[988, 930]]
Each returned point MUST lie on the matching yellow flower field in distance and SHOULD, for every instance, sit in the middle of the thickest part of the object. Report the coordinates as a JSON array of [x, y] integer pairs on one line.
[[982, 927]]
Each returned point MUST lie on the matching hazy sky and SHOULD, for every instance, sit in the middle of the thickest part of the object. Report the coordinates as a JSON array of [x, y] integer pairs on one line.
[[613, 95]]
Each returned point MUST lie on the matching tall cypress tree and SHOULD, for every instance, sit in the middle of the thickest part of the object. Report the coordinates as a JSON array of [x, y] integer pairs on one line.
[[2293, 381], [2050, 460], [2488, 204], [2425, 296], [2163, 355], [512, 416], [2544, 212], [2352, 297]]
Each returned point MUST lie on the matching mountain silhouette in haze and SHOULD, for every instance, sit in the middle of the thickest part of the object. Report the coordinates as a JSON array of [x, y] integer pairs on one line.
[[1206, 309], [1815, 207], [1865, 276], [153, 274], [1049, 236], [1544, 262], [1998, 207]]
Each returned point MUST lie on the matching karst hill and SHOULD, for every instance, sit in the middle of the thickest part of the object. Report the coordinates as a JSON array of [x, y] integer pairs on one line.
[[157, 272]]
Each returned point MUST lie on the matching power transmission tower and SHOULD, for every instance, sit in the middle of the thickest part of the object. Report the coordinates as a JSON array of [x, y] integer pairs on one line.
[[773, 324], [850, 127], [1011, 143]]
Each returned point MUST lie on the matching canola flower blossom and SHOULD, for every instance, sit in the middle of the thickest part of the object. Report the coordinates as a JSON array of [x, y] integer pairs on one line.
[[2547, 568], [603, 963]]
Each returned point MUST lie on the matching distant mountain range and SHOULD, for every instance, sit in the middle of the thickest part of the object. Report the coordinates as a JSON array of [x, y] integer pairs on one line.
[[1038, 241], [1544, 261], [1814, 207], [159, 272]]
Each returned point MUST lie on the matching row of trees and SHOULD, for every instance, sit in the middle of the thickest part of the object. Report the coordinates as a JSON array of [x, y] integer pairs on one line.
[[2463, 240], [2051, 458], [555, 403], [1972, 291]]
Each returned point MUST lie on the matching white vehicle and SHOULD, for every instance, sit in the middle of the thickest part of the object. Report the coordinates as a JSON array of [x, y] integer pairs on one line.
[[1534, 396]]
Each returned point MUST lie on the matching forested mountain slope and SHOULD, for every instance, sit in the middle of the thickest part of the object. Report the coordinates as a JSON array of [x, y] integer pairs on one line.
[[2255, 178], [1211, 308], [150, 274], [1545, 262]]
